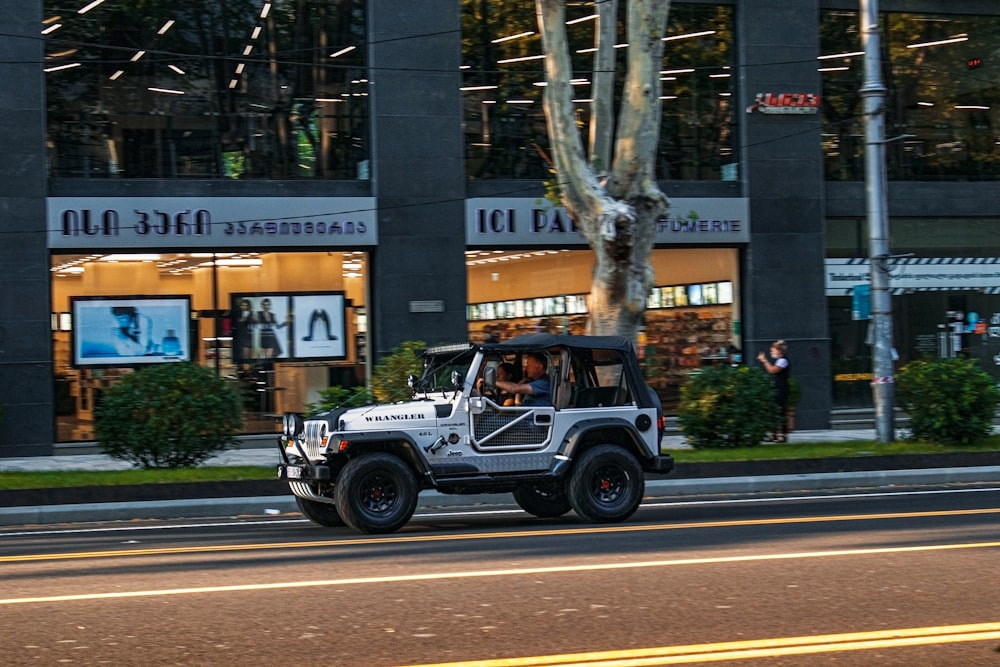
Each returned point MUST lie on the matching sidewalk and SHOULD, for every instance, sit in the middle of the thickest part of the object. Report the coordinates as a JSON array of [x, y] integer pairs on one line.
[[773, 477]]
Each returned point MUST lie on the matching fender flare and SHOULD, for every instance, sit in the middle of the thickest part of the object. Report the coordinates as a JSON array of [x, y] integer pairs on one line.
[[390, 439], [577, 433]]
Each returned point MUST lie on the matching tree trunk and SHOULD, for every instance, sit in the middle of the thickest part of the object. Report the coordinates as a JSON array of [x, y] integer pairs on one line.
[[602, 87], [617, 216]]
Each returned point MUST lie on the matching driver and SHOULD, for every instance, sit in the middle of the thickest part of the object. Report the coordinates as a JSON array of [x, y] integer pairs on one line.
[[536, 390]]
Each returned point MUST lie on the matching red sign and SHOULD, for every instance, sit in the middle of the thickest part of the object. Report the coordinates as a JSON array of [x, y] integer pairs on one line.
[[785, 103]]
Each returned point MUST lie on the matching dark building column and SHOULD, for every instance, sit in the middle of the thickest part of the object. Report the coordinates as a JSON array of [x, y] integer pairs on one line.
[[418, 274], [783, 176], [26, 392]]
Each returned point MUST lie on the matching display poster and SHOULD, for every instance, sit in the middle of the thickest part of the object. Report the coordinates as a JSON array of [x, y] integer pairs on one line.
[[129, 330], [288, 325]]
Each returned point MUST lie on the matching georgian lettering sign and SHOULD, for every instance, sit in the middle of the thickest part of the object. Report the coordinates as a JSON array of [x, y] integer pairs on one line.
[[499, 221], [210, 222]]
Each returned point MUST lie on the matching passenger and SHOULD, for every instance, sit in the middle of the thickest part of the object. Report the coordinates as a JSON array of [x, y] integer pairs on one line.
[[537, 390], [506, 372]]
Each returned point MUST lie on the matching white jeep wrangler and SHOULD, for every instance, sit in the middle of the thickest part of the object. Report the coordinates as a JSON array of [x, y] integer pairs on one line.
[[588, 451]]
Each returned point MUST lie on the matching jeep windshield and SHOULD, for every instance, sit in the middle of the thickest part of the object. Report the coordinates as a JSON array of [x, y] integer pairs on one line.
[[441, 364]]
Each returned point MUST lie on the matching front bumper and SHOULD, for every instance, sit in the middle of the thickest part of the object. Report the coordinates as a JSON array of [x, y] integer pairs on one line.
[[303, 473]]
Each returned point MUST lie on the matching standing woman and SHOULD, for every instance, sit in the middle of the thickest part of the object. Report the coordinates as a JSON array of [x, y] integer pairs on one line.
[[245, 321], [269, 325], [778, 366]]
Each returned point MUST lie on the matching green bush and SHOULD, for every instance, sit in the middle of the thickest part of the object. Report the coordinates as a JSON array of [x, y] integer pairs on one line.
[[168, 415], [388, 382], [340, 397], [951, 401], [390, 373], [727, 407]]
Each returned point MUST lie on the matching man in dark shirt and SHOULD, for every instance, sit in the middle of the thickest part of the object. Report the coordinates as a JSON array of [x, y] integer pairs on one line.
[[536, 388]]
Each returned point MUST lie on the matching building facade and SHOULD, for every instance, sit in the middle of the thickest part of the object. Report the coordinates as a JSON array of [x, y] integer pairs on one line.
[[288, 191]]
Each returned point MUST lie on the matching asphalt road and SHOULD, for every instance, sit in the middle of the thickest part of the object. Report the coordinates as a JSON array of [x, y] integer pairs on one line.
[[905, 577]]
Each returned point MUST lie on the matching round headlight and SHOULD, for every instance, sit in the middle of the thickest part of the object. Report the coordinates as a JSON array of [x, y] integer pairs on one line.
[[292, 425]]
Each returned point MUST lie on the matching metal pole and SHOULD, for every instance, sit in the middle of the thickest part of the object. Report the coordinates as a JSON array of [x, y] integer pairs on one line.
[[873, 94], [216, 317]]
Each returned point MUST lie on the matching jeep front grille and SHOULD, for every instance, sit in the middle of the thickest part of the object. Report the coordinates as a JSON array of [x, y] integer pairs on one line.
[[315, 434]]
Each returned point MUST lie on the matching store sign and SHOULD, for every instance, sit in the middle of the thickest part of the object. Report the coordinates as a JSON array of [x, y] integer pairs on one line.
[[500, 221], [210, 222], [917, 274], [785, 103]]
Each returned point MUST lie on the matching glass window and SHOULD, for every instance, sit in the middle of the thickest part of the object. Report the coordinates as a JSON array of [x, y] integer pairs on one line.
[[505, 133], [221, 310], [922, 237], [216, 89], [942, 102]]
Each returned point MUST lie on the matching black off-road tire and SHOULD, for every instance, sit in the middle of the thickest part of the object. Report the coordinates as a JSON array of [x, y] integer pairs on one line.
[[606, 484], [320, 513], [547, 503], [376, 493]]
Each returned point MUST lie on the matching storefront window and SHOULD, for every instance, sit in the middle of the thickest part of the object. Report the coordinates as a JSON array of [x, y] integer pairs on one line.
[[945, 272], [691, 319], [221, 89], [942, 105], [114, 313], [505, 134]]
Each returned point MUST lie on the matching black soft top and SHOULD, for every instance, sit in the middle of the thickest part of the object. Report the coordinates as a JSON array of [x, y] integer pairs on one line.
[[546, 340]]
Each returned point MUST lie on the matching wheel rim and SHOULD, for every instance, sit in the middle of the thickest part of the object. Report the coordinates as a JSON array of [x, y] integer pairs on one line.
[[378, 493], [608, 484]]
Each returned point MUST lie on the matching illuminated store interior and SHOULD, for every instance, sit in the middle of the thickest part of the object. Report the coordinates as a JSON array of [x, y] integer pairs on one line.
[[692, 317]]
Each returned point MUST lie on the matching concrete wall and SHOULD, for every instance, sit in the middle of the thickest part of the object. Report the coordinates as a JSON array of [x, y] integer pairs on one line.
[[782, 172], [418, 172], [26, 392]]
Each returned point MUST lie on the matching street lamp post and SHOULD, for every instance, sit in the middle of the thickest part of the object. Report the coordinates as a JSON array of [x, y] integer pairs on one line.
[[873, 94]]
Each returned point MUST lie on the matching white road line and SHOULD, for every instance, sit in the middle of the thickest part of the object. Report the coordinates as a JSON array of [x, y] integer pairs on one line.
[[512, 572]]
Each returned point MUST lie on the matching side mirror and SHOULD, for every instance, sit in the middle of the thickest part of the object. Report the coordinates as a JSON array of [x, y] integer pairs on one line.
[[490, 378], [456, 379], [411, 382]]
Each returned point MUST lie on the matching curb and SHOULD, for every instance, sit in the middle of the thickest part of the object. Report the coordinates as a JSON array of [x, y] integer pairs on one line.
[[659, 489]]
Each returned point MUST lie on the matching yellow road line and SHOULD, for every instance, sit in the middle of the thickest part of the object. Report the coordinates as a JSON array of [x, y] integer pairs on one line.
[[512, 572], [747, 649], [405, 539]]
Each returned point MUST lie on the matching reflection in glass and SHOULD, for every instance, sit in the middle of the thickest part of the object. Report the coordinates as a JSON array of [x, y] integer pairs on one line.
[[942, 104], [505, 132], [208, 90]]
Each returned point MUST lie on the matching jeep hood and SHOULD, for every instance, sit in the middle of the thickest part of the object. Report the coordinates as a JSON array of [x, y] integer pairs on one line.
[[390, 416]]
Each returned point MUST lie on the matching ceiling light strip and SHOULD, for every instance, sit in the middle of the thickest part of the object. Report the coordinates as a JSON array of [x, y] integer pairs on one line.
[[953, 40]]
